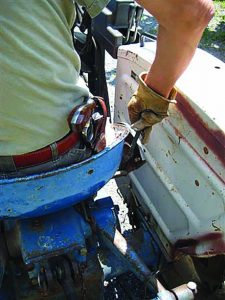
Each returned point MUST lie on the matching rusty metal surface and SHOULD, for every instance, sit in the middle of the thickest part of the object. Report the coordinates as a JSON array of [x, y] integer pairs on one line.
[[213, 139], [204, 246]]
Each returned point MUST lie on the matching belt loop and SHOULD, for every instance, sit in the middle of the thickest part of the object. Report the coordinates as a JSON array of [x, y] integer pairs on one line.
[[55, 153], [7, 164]]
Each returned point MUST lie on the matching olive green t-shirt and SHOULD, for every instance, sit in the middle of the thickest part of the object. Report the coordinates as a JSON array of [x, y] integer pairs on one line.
[[39, 71]]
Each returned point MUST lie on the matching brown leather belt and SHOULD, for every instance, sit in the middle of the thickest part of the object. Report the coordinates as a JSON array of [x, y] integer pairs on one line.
[[81, 120]]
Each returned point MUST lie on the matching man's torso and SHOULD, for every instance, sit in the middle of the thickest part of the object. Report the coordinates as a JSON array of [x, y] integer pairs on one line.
[[39, 78]]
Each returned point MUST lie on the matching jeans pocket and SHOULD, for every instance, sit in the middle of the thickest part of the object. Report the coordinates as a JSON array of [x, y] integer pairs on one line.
[[79, 154]]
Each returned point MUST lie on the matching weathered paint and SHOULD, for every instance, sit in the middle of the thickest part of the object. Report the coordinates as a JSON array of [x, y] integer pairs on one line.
[[206, 245], [52, 235], [183, 180], [214, 139], [52, 191]]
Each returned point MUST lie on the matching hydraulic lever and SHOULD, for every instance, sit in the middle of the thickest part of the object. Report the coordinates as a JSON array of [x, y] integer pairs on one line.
[[131, 13], [138, 14]]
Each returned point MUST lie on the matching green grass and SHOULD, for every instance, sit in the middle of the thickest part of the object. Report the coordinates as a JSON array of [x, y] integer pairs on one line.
[[213, 39]]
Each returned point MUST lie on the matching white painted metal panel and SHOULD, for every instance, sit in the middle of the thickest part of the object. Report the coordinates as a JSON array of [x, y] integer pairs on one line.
[[183, 181]]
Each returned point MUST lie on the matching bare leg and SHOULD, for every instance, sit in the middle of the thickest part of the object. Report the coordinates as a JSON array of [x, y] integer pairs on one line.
[[181, 24]]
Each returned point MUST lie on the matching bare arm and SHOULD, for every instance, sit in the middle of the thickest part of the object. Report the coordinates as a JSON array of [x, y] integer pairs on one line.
[[181, 24]]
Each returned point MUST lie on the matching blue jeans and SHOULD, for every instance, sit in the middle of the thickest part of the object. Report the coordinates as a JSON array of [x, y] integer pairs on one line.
[[76, 154]]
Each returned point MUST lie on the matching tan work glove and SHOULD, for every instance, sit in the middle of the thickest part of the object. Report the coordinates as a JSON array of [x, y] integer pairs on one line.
[[147, 108]]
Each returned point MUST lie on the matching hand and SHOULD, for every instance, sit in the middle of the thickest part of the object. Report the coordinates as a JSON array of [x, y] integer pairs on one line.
[[147, 108]]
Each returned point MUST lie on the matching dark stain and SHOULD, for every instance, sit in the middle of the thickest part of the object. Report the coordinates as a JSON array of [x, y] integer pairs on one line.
[[206, 151], [188, 246], [174, 160], [197, 182], [91, 171], [171, 140], [214, 226], [37, 225]]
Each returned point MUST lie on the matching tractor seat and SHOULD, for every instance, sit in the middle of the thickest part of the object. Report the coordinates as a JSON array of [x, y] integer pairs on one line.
[[44, 193]]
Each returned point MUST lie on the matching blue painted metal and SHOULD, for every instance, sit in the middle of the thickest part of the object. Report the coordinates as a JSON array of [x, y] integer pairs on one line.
[[118, 255], [137, 257], [104, 214], [65, 233], [52, 235], [118, 244], [49, 192], [111, 263], [146, 248], [124, 249]]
